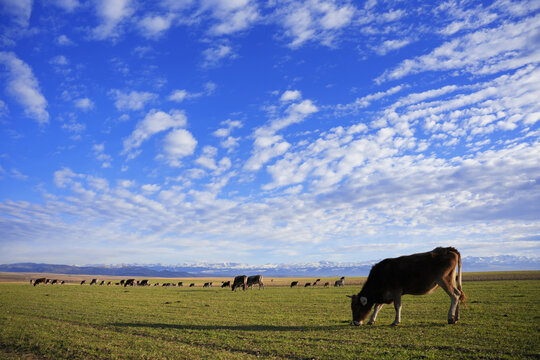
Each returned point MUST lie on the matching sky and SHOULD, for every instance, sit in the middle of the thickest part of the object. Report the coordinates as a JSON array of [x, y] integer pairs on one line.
[[266, 132]]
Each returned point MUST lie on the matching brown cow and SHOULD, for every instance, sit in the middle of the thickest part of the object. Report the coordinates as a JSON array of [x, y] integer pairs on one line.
[[416, 274], [255, 279], [238, 281]]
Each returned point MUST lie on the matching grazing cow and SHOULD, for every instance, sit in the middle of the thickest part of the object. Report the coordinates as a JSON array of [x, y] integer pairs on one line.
[[180, 283], [130, 282], [307, 285], [326, 284], [47, 281], [102, 282], [238, 281], [144, 283], [40, 281], [122, 282], [54, 282], [192, 285], [156, 284], [316, 282], [416, 274], [255, 279], [83, 282], [340, 282], [109, 283], [225, 284], [94, 281], [294, 283], [207, 284], [62, 282]]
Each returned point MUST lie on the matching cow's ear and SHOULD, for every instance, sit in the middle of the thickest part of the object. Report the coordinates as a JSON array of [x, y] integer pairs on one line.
[[349, 296], [363, 300]]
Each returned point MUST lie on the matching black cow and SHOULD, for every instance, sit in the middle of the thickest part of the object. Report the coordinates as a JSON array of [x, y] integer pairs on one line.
[[54, 282], [415, 274], [129, 282], [238, 281], [144, 283], [255, 279], [340, 282], [40, 281], [225, 284], [316, 282], [294, 283], [83, 282], [307, 285], [94, 281], [192, 285], [122, 282], [102, 282], [327, 284], [180, 283], [207, 284]]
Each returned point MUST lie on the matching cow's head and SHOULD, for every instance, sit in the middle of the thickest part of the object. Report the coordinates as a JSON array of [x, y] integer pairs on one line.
[[360, 307]]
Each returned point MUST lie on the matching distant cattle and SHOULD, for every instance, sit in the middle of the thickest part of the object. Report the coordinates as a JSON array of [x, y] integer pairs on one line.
[[180, 283], [122, 282], [129, 282], [327, 284], [166, 284], [340, 282], [94, 281], [144, 283], [83, 282], [255, 279], [307, 285], [225, 284], [54, 282], [415, 274], [207, 284], [102, 282], [109, 283], [294, 283], [40, 281], [238, 281], [192, 285], [316, 282], [156, 284], [47, 281], [62, 282]]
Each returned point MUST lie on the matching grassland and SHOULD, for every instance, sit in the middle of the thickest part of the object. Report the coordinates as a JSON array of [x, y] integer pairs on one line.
[[502, 321]]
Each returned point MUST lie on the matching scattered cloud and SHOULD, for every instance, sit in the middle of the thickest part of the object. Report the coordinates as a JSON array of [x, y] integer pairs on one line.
[[111, 13], [133, 100], [84, 104], [24, 87]]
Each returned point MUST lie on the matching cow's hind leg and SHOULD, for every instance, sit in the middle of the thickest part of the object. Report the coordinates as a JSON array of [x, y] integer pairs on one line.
[[397, 306], [453, 312], [376, 310]]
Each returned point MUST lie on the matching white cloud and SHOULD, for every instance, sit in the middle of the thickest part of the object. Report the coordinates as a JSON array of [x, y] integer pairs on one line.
[[18, 10], [181, 95], [63, 40], [290, 95], [178, 95], [268, 144], [214, 55], [84, 104], [101, 156], [178, 143], [134, 100], [153, 26], [24, 87], [150, 188], [315, 20], [67, 5], [111, 14], [155, 121], [232, 16], [511, 44], [366, 101], [391, 45]]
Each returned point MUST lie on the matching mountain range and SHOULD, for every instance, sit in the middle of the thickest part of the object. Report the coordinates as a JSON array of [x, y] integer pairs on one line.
[[317, 269]]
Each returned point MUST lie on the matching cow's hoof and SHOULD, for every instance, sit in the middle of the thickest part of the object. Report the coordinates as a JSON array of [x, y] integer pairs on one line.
[[451, 321], [394, 324], [357, 323], [371, 322]]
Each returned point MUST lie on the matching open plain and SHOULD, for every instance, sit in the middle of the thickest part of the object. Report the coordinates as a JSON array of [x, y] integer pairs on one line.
[[501, 320]]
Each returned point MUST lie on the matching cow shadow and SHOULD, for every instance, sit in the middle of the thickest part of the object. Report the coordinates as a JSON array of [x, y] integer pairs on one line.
[[277, 328]]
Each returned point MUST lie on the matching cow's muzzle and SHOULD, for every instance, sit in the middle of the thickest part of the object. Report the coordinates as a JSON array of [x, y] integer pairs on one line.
[[356, 323]]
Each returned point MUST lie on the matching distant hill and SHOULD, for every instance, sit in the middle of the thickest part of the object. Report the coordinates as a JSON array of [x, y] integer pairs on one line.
[[317, 269]]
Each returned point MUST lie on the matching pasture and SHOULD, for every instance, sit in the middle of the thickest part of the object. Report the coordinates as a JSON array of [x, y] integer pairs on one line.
[[502, 321]]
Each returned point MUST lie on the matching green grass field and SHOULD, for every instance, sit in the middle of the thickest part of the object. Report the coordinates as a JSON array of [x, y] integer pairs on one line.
[[502, 321]]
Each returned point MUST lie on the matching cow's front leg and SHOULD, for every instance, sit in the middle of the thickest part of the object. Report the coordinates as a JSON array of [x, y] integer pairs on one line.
[[374, 314], [397, 306]]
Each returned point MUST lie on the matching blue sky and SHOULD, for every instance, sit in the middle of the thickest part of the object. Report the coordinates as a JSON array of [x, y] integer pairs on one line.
[[267, 132]]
